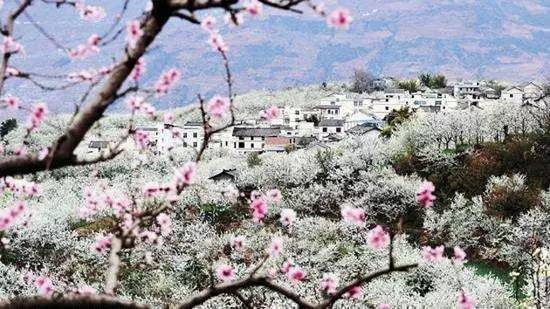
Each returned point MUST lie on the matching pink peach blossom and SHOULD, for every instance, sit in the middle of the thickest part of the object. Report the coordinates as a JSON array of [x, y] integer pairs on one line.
[[259, 209], [254, 8], [377, 238], [355, 292], [238, 243], [295, 274], [275, 248], [459, 254], [274, 195], [288, 216], [209, 23], [225, 273], [339, 19], [133, 33], [433, 255], [217, 42], [329, 283], [217, 107], [186, 174], [424, 195], [139, 69], [354, 216], [270, 113]]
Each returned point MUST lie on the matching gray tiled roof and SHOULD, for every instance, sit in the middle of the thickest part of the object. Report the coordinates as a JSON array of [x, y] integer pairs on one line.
[[255, 132], [362, 129], [98, 144]]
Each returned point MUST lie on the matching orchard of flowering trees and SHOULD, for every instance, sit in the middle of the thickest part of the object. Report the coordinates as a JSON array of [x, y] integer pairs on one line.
[[341, 227]]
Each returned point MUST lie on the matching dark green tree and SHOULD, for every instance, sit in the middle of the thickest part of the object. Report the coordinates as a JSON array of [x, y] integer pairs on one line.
[[395, 118], [409, 85], [6, 126]]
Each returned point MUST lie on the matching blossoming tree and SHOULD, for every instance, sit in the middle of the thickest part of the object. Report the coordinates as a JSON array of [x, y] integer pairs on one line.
[[145, 217]]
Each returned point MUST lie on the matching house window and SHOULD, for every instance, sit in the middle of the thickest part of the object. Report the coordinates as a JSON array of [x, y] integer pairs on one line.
[[241, 144], [387, 100], [338, 130], [195, 134], [194, 144], [297, 119], [185, 135], [241, 138], [511, 95], [297, 112], [251, 145], [387, 108], [324, 129], [184, 144]]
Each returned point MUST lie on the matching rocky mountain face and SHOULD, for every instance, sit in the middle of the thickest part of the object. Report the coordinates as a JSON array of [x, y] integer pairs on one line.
[[500, 39]]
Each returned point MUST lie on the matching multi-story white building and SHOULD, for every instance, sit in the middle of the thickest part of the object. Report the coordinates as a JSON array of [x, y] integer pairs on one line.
[[252, 139], [512, 94], [328, 127]]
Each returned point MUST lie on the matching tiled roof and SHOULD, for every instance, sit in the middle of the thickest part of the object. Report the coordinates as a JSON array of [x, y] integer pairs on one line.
[[98, 144], [255, 132]]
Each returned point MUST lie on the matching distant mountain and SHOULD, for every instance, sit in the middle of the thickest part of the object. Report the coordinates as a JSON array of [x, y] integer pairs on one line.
[[498, 39]]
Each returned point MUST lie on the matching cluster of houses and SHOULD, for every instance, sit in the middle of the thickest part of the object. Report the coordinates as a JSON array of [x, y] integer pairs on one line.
[[332, 118]]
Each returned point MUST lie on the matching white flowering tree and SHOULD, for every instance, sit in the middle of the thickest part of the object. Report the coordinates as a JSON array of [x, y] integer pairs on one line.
[[141, 217]]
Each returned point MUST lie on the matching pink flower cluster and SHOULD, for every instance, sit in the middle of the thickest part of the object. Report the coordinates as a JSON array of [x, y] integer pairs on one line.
[[20, 187], [186, 174], [377, 238], [209, 24], [254, 8], [339, 19], [424, 195], [139, 70], [225, 273], [89, 12], [295, 274], [103, 200], [10, 46], [165, 224], [270, 113], [218, 107], [355, 292], [258, 207], [183, 176], [217, 43], [459, 255], [10, 215], [166, 81], [44, 286], [354, 216], [274, 195], [133, 33], [37, 116], [238, 243], [329, 283], [11, 102], [83, 51], [102, 243], [288, 216], [138, 104], [275, 247], [215, 40], [433, 255], [141, 138]]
